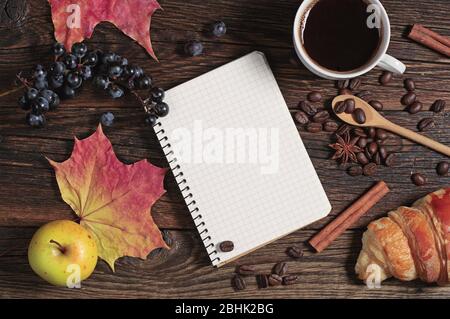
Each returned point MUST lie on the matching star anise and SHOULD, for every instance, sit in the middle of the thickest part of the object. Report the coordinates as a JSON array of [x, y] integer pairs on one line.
[[346, 148]]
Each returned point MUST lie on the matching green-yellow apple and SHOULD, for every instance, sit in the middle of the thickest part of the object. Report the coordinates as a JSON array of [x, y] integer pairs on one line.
[[63, 253]]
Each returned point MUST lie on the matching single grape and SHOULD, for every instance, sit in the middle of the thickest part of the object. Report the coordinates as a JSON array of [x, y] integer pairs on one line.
[[48, 95], [86, 72], [117, 59], [107, 119], [57, 68], [40, 105], [219, 29], [35, 120], [143, 83], [129, 71], [151, 119], [55, 102], [108, 58], [101, 81], [67, 92], [124, 62], [39, 72], [40, 84], [70, 61], [193, 48], [58, 49], [115, 92], [23, 103], [31, 94], [79, 49], [157, 94], [56, 81], [74, 80], [91, 58], [138, 71], [161, 109], [115, 71]]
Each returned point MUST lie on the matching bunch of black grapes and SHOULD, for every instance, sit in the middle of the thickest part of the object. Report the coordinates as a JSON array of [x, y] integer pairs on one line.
[[110, 72]]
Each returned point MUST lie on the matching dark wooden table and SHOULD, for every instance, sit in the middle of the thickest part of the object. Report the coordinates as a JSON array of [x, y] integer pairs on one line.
[[29, 196]]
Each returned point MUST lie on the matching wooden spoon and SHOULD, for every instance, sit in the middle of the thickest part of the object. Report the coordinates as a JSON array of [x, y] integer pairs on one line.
[[374, 119]]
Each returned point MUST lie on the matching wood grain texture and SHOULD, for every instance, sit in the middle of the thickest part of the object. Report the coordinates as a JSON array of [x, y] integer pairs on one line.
[[29, 195]]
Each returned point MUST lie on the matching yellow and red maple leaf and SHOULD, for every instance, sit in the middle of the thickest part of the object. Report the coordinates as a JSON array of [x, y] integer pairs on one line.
[[75, 20], [111, 199]]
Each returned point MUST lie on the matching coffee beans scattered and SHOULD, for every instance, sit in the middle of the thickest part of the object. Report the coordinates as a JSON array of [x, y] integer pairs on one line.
[[354, 84], [362, 158], [355, 170], [343, 129], [246, 270], [321, 116], [314, 127], [226, 246], [377, 105], [290, 280], [426, 124], [275, 280], [238, 283], [409, 84], [381, 134], [438, 106], [314, 96], [308, 108], [358, 131], [415, 107], [373, 148], [409, 98], [330, 126], [342, 84], [301, 117], [370, 169], [390, 160], [359, 116], [345, 92], [295, 252], [365, 95], [386, 77], [262, 281], [418, 179], [383, 153], [442, 168], [278, 276], [349, 106], [280, 269]]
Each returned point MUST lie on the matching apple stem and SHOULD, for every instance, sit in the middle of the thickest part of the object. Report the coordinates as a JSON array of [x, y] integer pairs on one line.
[[61, 248]]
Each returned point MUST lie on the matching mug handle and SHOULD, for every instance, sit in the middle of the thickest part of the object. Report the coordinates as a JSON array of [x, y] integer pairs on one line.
[[389, 63]]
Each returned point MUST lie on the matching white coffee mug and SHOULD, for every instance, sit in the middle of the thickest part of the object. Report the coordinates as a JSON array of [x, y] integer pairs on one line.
[[380, 58]]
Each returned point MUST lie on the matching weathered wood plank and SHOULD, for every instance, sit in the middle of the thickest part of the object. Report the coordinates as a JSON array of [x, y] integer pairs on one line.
[[184, 272]]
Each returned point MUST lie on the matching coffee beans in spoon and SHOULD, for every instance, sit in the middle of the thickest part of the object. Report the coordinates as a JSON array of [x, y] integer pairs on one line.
[[359, 116]]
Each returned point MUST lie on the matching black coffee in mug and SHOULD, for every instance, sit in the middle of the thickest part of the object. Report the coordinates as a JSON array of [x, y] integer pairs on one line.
[[337, 35]]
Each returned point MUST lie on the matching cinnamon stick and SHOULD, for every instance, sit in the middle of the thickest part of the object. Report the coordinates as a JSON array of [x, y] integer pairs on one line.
[[430, 39], [349, 216]]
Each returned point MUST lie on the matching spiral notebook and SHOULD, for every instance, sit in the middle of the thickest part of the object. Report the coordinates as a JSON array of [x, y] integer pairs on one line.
[[238, 159]]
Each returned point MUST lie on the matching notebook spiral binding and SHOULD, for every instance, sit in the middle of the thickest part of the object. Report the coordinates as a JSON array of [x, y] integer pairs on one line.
[[187, 195]]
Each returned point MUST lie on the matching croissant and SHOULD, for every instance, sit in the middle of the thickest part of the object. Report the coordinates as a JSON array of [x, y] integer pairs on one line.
[[412, 242]]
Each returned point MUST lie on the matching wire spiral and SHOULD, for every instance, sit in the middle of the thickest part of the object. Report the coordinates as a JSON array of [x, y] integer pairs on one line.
[[187, 194]]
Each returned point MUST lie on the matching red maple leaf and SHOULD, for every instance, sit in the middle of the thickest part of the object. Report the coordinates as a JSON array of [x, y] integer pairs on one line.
[[75, 20]]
